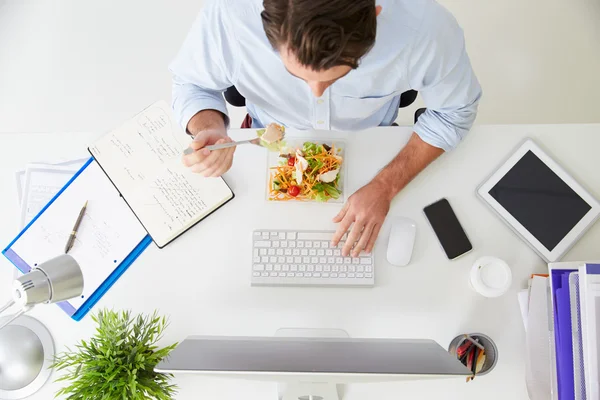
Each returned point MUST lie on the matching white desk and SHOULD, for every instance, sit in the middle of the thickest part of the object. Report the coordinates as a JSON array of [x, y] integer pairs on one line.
[[202, 279]]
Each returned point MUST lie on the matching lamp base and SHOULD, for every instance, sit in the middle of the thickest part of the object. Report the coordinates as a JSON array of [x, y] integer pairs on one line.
[[26, 353]]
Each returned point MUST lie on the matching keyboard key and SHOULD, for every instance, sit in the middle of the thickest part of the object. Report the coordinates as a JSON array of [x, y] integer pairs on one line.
[[314, 260], [307, 275], [330, 260], [294, 268], [317, 275], [262, 243], [308, 245], [368, 275], [300, 275], [264, 259], [258, 267], [288, 252], [328, 252], [273, 274], [298, 260], [292, 245], [355, 260], [315, 236], [283, 244], [289, 259], [323, 260], [255, 253], [327, 268], [335, 268], [320, 252], [325, 274], [339, 260], [368, 268], [324, 245], [269, 267], [291, 236], [300, 244], [264, 274], [360, 275], [334, 275], [351, 275], [274, 234], [310, 268], [281, 235], [285, 267], [276, 244], [360, 268], [304, 252], [306, 260], [347, 260], [291, 274], [337, 252], [271, 252], [277, 267], [318, 268], [265, 235], [279, 252], [312, 252], [256, 233], [366, 260], [256, 259], [344, 268], [282, 274], [281, 259], [256, 274], [296, 252], [342, 275], [316, 245], [302, 268], [351, 268]]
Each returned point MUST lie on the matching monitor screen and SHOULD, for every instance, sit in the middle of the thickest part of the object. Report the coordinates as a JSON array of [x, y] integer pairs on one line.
[[301, 356], [540, 200]]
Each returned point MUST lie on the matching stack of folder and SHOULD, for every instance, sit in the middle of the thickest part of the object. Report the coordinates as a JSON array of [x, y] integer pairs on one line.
[[575, 330]]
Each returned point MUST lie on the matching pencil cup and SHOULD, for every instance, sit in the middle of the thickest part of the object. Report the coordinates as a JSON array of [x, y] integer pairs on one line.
[[491, 351]]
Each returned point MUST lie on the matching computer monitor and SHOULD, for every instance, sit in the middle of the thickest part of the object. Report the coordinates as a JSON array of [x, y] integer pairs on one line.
[[313, 368]]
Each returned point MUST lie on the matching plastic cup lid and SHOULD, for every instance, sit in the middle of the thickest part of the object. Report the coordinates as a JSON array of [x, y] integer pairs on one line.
[[491, 276]]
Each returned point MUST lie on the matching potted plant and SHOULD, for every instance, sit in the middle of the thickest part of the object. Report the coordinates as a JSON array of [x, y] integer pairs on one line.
[[118, 361]]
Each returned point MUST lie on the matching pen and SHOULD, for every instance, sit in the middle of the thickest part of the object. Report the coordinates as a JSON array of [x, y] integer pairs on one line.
[[74, 231]]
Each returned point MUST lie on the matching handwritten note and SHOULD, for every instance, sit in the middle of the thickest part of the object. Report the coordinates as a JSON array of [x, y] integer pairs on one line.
[[143, 159]]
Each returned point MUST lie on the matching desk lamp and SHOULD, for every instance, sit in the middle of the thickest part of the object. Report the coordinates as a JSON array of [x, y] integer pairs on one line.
[[26, 346]]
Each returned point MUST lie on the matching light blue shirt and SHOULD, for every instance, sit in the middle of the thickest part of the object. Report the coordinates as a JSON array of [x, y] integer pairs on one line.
[[419, 46]]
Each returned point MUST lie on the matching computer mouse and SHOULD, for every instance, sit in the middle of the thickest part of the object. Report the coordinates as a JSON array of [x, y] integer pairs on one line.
[[401, 242]]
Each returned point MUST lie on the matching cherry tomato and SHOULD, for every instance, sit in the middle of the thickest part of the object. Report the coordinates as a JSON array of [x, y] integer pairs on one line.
[[291, 161], [293, 191]]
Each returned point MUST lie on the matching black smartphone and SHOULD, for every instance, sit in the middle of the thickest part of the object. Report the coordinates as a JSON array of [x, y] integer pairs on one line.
[[449, 231]]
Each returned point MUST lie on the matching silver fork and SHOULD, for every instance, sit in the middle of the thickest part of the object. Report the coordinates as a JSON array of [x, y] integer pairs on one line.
[[255, 141]]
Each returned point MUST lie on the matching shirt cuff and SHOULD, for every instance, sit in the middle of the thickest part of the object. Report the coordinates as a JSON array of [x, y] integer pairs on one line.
[[437, 130], [185, 109]]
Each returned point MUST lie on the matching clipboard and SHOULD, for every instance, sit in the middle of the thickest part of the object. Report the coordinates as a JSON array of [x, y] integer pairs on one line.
[[102, 254]]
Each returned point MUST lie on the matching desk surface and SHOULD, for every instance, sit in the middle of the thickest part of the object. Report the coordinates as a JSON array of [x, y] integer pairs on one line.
[[202, 279]]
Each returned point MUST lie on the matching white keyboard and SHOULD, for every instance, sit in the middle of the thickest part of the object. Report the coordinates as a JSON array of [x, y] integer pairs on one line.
[[306, 258]]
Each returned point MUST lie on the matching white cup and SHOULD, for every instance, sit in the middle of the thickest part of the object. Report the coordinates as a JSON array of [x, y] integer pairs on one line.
[[490, 276]]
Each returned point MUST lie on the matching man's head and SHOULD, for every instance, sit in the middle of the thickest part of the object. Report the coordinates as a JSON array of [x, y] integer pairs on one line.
[[320, 41]]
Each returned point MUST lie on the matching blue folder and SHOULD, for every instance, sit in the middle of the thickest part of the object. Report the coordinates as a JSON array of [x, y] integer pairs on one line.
[[79, 313]]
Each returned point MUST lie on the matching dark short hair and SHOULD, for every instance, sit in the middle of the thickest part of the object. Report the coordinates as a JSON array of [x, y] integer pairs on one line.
[[321, 33]]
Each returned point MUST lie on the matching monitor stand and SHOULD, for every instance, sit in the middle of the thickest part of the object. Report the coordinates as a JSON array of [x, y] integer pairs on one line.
[[311, 390]]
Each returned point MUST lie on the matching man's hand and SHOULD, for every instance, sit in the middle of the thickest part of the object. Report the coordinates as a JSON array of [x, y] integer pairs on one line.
[[208, 127], [365, 210]]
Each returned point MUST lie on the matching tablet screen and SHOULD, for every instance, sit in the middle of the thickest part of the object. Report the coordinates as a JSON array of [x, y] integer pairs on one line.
[[541, 201]]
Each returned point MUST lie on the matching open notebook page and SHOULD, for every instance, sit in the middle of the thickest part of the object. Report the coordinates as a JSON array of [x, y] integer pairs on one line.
[[143, 159]]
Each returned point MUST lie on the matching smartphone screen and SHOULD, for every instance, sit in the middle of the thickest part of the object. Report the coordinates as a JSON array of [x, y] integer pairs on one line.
[[450, 233]]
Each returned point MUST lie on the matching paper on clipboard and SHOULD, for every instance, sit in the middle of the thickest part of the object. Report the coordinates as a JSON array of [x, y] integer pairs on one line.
[[107, 235]]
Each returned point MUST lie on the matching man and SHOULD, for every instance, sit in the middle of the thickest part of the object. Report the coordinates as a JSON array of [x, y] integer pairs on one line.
[[328, 64]]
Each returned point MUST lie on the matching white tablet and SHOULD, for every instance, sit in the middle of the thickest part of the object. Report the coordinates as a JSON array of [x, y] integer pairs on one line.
[[540, 201]]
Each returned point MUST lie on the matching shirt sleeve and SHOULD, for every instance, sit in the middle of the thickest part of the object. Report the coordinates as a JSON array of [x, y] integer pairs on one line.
[[440, 70], [204, 66]]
